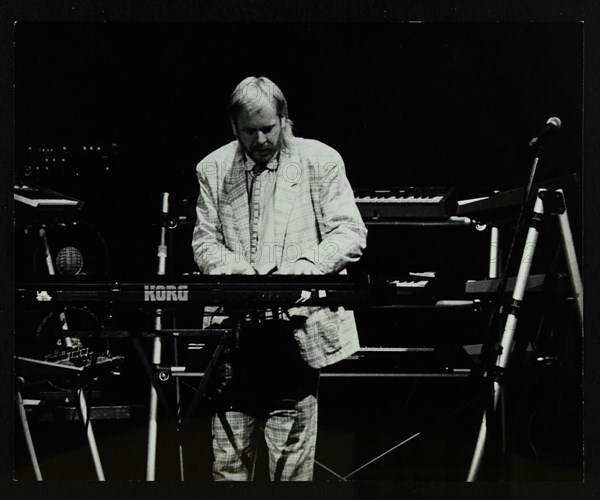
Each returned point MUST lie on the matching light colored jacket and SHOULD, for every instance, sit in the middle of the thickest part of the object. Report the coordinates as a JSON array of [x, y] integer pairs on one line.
[[316, 218]]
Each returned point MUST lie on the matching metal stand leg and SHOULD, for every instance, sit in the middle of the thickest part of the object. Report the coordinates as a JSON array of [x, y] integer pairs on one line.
[[494, 259], [87, 422], [178, 403], [212, 364], [28, 438], [201, 389], [152, 423], [574, 276]]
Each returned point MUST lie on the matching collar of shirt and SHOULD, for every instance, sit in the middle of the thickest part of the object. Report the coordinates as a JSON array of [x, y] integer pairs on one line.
[[249, 163]]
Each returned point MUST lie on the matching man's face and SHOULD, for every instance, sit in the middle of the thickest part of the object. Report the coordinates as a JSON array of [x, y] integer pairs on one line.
[[258, 128]]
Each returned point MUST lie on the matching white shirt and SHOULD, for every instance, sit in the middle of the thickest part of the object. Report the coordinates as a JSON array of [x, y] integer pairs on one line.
[[261, 183]]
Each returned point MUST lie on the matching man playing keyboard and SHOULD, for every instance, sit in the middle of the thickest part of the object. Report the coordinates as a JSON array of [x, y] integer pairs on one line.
[[270, 202]]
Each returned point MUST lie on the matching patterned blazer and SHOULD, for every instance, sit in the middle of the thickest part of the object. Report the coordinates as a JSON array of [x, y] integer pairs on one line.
[[316, 218]]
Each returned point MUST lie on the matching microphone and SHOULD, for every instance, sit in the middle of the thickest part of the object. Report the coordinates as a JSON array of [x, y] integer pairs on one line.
[[69, 260], [553, 123]]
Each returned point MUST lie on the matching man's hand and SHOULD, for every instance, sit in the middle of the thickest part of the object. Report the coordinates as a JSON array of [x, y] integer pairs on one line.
[[242, 267], [302, 266]]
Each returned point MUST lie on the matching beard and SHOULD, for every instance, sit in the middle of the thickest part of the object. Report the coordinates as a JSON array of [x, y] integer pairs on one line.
[[265, 153], [262, 155]]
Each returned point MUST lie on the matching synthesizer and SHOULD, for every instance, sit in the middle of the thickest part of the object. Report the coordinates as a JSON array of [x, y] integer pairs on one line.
[[502, 203], [535, 283], [251, 291], [76, 362], [405, 202], [36, 196]]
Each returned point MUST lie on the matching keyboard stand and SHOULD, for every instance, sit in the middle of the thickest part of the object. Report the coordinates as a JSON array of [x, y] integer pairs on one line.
[[158, 372], [551, 203], [85, 419], [81, 402]]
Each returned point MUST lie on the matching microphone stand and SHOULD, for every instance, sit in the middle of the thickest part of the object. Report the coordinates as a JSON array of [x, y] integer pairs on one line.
[[491, 351], [156, 353], [503, 352], [156, 359]]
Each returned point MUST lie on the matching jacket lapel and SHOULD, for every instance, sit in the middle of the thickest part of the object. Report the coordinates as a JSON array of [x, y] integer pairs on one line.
[[288, 181], [237, 197]]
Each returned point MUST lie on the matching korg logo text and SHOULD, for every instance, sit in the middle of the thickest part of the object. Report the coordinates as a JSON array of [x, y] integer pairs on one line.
[[165, 293]]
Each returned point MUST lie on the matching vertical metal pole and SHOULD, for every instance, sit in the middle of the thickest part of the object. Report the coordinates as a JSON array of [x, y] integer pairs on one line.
[[153, 406], [494, 263], [493, 272], [178, 402], [156, 354]]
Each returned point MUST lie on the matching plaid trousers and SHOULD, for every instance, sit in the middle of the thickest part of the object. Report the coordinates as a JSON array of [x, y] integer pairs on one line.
[[290, 434], [269, 383]]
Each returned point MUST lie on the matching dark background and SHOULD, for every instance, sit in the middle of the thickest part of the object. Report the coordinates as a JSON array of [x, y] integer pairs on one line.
[[405, 104], [408, 104]]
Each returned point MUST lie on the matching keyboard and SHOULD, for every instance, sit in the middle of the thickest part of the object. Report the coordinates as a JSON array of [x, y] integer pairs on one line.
[[251, 291], [42, 197], [405, 202]]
